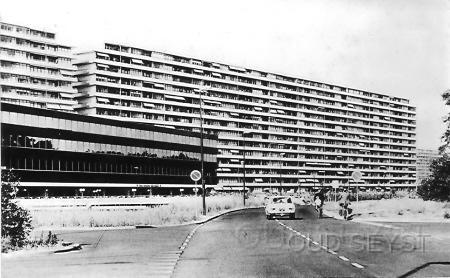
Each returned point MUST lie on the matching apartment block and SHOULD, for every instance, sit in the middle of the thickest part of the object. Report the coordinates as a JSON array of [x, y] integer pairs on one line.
[[424, 159], [290, 132], [35, 69]]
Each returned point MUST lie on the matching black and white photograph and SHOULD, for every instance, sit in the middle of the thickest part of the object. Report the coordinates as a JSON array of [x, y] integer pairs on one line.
[[212, 138]]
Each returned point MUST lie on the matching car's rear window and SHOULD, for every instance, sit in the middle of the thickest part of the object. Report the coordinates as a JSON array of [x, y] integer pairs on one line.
[[281, 200]]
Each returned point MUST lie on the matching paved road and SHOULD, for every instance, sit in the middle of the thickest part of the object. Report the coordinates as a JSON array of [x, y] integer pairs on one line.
[[245, 244], [113, 253]]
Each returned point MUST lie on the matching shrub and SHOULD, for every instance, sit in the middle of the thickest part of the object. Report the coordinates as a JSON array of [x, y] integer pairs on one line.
[[437, 186], [16, 221], [447, 215]]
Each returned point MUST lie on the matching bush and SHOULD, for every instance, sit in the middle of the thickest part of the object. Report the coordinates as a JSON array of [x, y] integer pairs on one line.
[[437, 186], [16, 221], [447, 215]]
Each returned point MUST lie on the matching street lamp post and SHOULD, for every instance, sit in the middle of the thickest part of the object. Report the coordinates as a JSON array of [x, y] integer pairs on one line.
[[243, 169], [281, 177], [202, 154], [313, 173], [243, 162]]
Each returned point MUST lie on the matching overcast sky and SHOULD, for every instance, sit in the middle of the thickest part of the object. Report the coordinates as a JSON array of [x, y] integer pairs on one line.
[[400, 48]]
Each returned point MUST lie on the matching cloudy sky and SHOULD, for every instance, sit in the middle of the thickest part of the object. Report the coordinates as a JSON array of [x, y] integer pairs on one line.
[[395, 47]]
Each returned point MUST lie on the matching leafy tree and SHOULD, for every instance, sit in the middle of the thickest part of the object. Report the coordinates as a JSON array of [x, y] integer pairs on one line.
[[446, 136], [437, 185], [16, 221]]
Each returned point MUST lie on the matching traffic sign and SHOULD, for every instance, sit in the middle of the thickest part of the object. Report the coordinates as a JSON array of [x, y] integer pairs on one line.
[[196, 175], [335, 184], [357, 175]]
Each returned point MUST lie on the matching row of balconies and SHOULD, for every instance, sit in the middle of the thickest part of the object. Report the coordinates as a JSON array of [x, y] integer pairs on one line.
[[194, 125], [247, 76], [337, 150], [43, 74], [27, 33], [261, 87], [24, 59], [22, 83], [311, 178], [172, 101], [240, 103], [47, 49]]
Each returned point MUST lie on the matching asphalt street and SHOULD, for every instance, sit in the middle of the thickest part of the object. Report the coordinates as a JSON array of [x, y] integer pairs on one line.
[[246, 244], [110, 253]]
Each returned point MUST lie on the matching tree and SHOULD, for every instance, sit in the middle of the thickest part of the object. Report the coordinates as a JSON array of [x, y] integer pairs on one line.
[[446, 136], [437, 185], [16, 221]]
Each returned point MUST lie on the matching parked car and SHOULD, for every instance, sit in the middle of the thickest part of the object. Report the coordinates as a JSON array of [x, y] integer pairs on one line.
[[280, 206]]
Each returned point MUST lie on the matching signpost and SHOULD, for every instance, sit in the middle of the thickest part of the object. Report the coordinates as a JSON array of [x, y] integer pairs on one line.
[[195, 176], [335, 185], [357, 175]]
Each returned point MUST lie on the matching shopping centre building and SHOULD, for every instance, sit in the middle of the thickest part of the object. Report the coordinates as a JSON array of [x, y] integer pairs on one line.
[[276, 130], [64, 154]]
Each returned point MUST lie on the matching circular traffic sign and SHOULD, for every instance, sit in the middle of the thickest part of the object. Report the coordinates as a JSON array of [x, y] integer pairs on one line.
[[196, 175], [335, 184], [357, 175]]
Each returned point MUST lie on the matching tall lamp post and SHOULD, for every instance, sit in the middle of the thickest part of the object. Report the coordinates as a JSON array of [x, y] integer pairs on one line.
[[200, 91], [281, 177], [243, 162]]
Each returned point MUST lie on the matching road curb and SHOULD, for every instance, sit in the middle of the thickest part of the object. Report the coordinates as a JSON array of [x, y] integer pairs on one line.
[[198, 222]]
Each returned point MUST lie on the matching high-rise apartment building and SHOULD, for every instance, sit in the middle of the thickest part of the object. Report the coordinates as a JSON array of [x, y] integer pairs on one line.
[[291, 132], [424, 159], [35, 69]]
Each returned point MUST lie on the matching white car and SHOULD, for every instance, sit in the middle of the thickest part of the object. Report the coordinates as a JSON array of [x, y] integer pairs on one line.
[[280, 206]]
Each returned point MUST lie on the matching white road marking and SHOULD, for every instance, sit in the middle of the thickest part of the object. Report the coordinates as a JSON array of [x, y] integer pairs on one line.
[[357, 265], [344, 258]]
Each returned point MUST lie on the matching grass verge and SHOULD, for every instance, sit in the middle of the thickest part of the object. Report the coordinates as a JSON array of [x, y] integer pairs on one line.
[[179, 211], [402, 208]]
